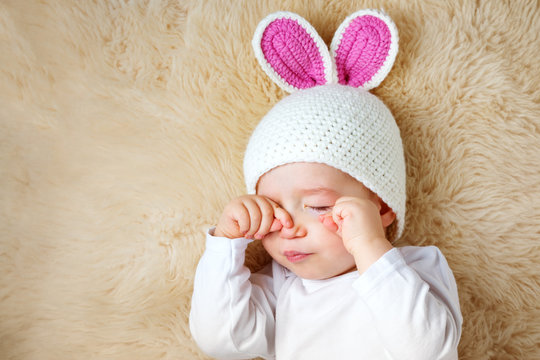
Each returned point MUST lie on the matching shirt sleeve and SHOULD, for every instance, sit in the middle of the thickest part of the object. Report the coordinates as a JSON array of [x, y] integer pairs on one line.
[[412, 296], [232, 310]]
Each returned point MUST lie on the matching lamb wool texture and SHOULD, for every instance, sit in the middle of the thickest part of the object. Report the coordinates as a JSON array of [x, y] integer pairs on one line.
[[337, 125], [123, 127]]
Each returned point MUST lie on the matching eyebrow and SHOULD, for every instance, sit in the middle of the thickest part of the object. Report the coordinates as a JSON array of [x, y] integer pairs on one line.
[[318, 190]]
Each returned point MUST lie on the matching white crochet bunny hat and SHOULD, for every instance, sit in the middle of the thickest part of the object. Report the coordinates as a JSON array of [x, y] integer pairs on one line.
[[330, 117]]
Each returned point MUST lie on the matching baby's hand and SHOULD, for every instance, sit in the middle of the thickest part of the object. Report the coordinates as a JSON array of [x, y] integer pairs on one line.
[[359, 223], [251, 216]]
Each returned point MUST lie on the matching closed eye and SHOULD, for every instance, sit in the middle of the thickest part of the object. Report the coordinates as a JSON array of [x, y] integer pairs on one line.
[[318, 210]]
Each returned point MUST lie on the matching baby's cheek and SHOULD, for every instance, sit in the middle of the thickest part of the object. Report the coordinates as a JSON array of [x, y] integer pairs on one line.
[[269, 242]]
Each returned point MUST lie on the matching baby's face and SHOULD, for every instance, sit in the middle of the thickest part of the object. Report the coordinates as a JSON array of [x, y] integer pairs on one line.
[[307, 190]]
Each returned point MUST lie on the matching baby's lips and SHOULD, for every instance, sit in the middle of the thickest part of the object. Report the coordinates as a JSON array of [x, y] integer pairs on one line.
[[328, 222]]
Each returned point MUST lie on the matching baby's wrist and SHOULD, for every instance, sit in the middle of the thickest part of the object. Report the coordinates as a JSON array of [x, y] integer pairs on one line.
[[361, 242], [219, 233], [367, 252]]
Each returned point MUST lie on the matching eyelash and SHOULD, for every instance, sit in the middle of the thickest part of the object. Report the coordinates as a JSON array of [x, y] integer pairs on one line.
[[319, 210]]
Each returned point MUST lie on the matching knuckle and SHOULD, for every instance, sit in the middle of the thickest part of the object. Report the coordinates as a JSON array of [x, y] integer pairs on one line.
[[267, 211]]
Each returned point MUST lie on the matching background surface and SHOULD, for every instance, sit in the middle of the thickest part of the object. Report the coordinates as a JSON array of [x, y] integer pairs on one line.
[[122, 131]]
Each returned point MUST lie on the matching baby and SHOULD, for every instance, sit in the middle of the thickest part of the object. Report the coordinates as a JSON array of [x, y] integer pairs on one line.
[[325, 174]]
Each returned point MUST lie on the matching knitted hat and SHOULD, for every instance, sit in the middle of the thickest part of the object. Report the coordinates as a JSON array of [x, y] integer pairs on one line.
[[330, 117]]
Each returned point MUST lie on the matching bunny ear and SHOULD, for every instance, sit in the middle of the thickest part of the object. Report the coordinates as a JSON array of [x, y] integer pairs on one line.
[[291, 52], [364, 48]]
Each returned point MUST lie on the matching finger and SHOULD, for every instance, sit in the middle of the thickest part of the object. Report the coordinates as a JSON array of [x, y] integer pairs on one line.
[[254, 217], [276, 225], [267, 217], [240, 219], [284, 217], [359, 201], [339, 214], [281, 214], [328, 222]]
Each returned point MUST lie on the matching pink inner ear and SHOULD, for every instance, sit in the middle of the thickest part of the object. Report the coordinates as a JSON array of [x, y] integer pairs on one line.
[[362, 51], [293, 54]]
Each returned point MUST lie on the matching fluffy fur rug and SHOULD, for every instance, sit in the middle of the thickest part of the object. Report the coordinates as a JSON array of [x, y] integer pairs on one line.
[[123, 126]]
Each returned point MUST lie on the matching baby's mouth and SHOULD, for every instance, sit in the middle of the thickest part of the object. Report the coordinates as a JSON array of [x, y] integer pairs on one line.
[[295, 256]]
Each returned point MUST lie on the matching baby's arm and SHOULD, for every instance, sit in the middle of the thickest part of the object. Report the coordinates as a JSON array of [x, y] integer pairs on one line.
[[232, 310], [231, 317], [411, 291], [412, 296], [360, 224]]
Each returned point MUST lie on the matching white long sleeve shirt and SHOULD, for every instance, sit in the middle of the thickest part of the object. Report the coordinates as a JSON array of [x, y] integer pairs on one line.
[[405, 306]]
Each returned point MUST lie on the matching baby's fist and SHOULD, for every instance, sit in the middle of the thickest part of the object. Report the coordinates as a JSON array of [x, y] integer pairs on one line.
[[359, 222], [251, 216]]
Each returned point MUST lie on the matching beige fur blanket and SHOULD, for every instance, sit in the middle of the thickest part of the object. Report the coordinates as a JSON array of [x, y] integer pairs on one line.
[[122, 131]]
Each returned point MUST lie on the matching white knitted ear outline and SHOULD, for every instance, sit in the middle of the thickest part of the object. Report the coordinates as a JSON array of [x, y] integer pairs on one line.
[[381, 74], [329, 66]]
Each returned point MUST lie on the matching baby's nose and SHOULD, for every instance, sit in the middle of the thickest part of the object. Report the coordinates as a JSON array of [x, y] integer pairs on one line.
[[296, 231]]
